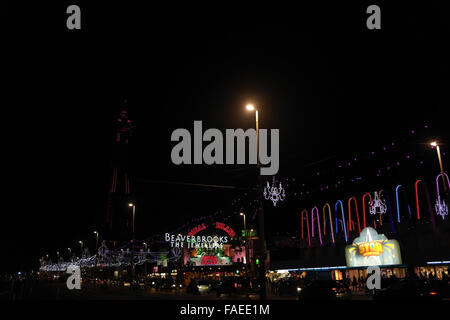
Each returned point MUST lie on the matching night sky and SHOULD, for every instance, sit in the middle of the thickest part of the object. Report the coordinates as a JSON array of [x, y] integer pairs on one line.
[[334, 89]]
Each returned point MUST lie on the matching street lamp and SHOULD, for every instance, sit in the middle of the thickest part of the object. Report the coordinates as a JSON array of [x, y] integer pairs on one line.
[[435, 144], [262, 268], [131, 205], [96, 240], [243, 215], [145, 263], [81, 246], [70, 252]]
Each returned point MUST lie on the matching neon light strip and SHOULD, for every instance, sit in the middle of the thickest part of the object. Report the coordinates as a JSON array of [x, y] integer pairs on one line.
[[307, 225], [391, 218], [438, 262], [364, 206], [437, 188], [417, 199], [343, 217], [318, 223], [350, 214], [398, 206], [312, 269], [331, 221]]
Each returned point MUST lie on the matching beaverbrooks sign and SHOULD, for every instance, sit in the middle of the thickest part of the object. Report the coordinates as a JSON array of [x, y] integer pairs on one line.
[[191, 240]]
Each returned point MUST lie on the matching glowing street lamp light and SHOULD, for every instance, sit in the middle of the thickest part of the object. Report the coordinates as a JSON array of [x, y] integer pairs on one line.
[[243, 215], [96, 240], [434, 144], [262, 268], [132, 205]]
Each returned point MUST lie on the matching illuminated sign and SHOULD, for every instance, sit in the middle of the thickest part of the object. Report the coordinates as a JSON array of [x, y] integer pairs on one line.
[[372, 249], [218, 225]]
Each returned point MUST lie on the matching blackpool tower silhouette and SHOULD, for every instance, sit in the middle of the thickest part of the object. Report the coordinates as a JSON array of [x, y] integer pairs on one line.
[[119, 194]]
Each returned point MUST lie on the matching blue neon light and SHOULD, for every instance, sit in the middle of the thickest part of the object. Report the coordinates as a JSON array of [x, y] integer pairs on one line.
[[398, 207]]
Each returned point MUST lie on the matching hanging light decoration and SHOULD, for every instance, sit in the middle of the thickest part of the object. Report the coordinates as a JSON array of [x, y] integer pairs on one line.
[[441, 208], [377, 205], [274, 193]]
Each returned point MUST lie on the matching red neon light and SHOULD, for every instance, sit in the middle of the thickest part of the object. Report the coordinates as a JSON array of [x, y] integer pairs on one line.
[[219, 225], [227, 229], [209, 260], [197, 229], [417, 198]]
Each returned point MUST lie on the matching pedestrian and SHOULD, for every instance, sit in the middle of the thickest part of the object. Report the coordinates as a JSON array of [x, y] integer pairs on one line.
[[354, 283]]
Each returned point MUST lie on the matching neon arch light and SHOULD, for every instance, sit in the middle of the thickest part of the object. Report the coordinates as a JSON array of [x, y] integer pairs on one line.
[[343, 218], [327, 205], [307, 225], [364, 209], [396, 198], [417, 198], [350, 221], [318, 223], [437, 191], [430, 208], [389, 210]]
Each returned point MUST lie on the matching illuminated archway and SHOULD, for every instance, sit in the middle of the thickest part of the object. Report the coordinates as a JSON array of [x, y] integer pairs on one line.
[[430, 207], [327, 205], [343, 219], [350, 221], [315, 210], [307, 225], [398, 204], [364, 209], [439, 205]]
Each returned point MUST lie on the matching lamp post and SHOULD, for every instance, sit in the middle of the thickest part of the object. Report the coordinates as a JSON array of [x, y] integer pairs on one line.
[[70, 253], [96, 240], [262, 247], [81, 247], [246, 242], [145, 262], [435, 144], [243, 215], [131, 205]]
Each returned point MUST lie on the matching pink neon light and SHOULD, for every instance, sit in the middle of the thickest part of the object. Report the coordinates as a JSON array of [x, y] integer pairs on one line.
[[437, 187], [318, 223], [307, 225], [350, 221]]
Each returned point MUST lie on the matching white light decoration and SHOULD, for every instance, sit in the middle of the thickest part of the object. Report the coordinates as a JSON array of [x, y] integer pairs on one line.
[[441, 208], [110, 258], [273, 193], [377, 205]]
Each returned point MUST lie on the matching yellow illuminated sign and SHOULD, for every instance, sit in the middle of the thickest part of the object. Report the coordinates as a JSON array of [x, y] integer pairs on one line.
[[370, 248]]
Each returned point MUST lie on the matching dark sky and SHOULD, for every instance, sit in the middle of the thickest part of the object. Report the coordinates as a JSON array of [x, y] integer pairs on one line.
[[332, 87]]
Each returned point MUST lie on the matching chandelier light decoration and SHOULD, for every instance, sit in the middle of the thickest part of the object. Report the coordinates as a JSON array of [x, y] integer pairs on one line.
[[377, 205], [274, 193], [440, 206]]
